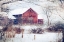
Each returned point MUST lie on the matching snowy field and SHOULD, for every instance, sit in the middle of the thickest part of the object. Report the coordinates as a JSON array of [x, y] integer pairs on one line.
[[45, 37], [56, 15]]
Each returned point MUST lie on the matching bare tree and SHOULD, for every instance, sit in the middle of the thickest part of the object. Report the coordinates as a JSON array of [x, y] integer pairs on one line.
[[48, 12]]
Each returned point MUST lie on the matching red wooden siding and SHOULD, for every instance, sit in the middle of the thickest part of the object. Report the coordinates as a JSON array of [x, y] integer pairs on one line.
[[30, 15]]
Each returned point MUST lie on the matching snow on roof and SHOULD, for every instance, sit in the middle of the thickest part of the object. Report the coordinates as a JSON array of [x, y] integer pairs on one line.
[[20, 7]]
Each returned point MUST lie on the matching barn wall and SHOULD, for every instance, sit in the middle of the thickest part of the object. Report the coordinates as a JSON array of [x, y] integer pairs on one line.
[[30, 13]]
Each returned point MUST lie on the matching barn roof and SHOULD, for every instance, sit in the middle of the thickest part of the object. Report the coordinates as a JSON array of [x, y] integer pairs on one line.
[[17, 16], [30, 10]]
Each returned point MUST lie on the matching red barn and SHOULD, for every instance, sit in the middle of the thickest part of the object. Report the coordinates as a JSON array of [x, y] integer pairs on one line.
[[30, 16]]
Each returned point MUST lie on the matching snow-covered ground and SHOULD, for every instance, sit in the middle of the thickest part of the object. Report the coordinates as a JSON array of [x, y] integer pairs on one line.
[[45, 37], [29, 37]]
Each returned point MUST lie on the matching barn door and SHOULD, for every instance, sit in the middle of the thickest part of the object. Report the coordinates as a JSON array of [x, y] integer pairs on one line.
[[30, 20]]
